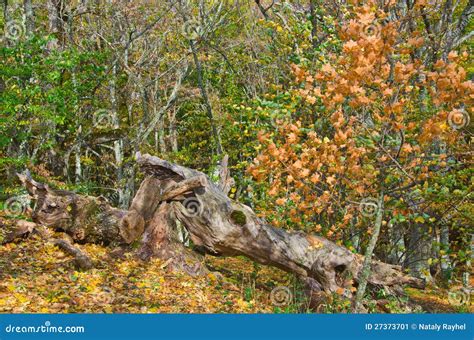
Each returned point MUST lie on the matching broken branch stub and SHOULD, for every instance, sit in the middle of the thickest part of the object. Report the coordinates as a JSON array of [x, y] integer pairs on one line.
[[224, 227]]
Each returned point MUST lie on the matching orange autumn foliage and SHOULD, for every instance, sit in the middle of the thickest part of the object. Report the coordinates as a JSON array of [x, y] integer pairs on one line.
[[384, 109]]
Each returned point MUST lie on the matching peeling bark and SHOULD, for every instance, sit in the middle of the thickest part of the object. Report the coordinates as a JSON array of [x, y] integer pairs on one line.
[[224, 227], [217, 225], [86, 219], [20, 229]]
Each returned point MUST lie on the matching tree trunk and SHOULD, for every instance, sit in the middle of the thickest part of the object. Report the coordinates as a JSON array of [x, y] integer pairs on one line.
[[55, 21], [29, 18], [216, 225], [173, 132], [419, 251], [366, 268], [77, 158], [6, 17], [397, 245], [314, 22], [118, 144], [86, 219], [202, 88]]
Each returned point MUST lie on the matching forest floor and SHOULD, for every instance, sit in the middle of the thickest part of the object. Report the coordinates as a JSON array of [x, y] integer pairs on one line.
[[36, 277]]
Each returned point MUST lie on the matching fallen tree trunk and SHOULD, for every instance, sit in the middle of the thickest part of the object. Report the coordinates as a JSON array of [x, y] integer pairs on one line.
[[19, 229], [22, 229], [228, 228], [86, 219], [216, 224]]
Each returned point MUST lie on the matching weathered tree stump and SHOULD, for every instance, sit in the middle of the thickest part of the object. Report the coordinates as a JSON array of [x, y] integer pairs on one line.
[[216, 224]]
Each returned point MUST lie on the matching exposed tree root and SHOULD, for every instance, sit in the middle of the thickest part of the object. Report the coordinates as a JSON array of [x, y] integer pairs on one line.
[[81, 260]]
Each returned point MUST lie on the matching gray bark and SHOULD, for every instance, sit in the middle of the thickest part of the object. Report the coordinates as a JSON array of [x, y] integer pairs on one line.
[[6, 15], [118, 144], [173, 132], [54, 16], [29, 17], [78, 168], [419, 251], [216, 225], [366, 267], [445, 262]]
